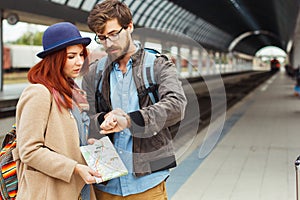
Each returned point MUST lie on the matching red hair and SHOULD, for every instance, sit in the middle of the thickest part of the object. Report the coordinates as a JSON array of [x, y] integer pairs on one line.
[[49, 72]]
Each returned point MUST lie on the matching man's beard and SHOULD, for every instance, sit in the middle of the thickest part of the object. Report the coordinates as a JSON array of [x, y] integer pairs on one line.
[[123, 53]]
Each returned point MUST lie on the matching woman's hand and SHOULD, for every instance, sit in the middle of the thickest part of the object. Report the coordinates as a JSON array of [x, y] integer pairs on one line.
[[86, 173]]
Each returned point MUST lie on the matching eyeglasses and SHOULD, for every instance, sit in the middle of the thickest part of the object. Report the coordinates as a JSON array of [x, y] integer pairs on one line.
[[101, 39]]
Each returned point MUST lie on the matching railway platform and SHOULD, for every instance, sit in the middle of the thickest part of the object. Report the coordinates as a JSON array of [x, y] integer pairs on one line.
[[254, 157]]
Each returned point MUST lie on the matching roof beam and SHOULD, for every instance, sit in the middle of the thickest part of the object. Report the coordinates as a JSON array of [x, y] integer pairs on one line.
[[242, 36], [47, 8]]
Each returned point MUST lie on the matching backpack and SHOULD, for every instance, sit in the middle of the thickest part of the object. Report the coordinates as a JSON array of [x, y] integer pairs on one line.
[[8, 175], [148, 76]]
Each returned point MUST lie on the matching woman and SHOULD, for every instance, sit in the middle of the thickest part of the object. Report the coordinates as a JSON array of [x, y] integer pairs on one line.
[[52, 124]]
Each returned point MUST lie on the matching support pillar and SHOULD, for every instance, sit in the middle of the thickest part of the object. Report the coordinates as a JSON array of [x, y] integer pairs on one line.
[[296, 46], [200, 58], [178, 59], [190, 59]]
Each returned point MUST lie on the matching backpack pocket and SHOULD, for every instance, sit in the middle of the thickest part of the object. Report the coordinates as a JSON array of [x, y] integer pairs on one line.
[[8, 175]]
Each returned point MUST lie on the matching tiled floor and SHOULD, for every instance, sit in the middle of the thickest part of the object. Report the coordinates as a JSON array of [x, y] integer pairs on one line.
[[254, 159]]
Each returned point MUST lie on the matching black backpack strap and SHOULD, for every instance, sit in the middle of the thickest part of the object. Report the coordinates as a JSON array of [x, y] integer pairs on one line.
[[148, 76], [100, 104], [10, 136]]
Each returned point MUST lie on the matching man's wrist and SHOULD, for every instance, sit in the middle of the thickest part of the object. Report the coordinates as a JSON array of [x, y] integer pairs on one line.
[[100, 117], [128, 120]]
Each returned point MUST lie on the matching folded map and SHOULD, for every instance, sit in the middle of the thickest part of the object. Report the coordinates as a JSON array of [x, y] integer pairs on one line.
[[103, 158]]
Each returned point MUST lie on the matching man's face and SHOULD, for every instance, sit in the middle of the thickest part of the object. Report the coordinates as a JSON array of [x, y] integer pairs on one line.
[[116, 40]]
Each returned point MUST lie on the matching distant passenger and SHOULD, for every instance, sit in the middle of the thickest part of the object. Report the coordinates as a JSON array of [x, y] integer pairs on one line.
[[297, 78], [49, 162], [289, 70], [275, 64], [137, 126]]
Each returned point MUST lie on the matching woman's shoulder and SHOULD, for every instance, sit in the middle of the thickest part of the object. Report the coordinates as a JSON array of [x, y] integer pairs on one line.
[[34, 97], [35, 91], [37, 88]]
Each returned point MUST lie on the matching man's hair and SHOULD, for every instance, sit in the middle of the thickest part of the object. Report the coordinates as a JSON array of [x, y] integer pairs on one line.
[[108, 10]]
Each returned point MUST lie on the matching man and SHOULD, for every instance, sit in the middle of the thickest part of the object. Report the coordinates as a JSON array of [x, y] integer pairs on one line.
[[138, 128]]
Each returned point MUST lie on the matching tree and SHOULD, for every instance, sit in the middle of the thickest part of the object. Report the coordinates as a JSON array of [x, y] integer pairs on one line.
[[30, 38]]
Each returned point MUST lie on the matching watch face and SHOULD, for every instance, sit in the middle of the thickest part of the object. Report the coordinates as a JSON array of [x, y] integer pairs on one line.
[[12, 19]]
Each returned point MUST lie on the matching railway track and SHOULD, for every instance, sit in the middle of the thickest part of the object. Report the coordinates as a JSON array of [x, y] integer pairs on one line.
[[236, 88], [8, 108]]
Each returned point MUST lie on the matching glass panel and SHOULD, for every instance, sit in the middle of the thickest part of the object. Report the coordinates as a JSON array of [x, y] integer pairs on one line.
[[138, 11], [152, 13], [88, 5], [59, 1], [174, 18], [74, 3]]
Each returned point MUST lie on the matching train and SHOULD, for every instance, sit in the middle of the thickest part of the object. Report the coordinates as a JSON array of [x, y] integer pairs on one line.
[[20, 57], [275, 65]]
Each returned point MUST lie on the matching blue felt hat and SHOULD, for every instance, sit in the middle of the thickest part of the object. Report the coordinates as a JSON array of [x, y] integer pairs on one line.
[[59, 36]]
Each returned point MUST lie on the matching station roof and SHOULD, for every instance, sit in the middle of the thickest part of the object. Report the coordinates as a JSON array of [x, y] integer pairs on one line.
[[271, 22], [239, 25]]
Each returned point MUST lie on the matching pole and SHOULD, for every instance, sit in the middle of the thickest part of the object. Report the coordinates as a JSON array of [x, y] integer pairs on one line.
[[297, 162], [1, 50]]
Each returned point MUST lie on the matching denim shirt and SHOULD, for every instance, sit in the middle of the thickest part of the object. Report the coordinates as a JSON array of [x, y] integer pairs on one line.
[[82, 120], [123, 95]]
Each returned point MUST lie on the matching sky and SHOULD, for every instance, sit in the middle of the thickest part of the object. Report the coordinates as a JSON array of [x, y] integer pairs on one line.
[[13, 32], [270, 52]]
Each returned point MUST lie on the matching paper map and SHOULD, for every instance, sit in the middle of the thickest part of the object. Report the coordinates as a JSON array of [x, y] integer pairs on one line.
[[103, 158]]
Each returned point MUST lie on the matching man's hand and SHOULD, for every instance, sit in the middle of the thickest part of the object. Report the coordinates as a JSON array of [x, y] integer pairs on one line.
[[115, 121], [91, 141]]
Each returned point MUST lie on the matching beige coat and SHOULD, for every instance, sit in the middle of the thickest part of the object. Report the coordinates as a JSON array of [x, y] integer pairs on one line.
[[48, 149]]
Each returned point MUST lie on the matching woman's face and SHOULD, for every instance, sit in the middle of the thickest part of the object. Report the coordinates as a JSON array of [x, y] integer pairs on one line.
[[74, 62]]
